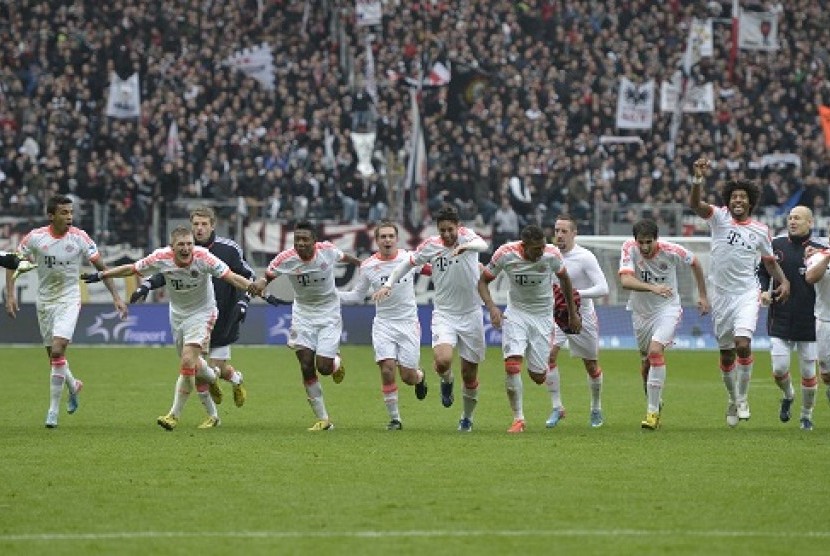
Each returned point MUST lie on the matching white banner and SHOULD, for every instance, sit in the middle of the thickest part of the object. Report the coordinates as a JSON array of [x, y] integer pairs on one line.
[[174, 146], [635, 105], [370, 82], [256, 62], [368, 12], [364, 146], [702, 37], [699, 98], [758, 31], [124, 100]]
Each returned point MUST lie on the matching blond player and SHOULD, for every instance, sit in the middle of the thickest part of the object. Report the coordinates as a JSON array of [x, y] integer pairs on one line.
[[316, 322], [738, 243], [59, 250], [648, 267], [188, 271], [456, 315], [527, 323], [587, 278], [396, 332]]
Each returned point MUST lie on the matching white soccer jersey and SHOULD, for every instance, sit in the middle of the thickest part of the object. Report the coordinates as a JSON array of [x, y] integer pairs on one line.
[[586, 276], [822, 308], [531, 284], [455, 278], [59, 261], [737, 248], [312, 280], [401, 304], [660, 268], [190, 287]]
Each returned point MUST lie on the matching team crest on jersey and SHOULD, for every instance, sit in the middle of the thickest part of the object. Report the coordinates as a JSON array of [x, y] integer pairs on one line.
[[69, 248], [194, 273], [664, 266], [324, 266]]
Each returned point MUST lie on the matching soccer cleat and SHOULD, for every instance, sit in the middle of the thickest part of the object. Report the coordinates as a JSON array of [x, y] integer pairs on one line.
[[168, 422], [338, 375], [239, 395], [517, 426], [447, 396], [210, 422], [556, 415], [215, 392], [72, 401], [52, 420], [743, 410], [732, 414], [596, 418], [465, 424], [784, 414], [321, 425], [421, 388], [394, 425], [806, 424], [651, 422]]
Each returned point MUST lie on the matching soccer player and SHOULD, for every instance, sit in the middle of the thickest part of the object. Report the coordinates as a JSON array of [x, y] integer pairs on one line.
[[188, 270], [396, 332], [527, 323], [59, 250], [316, 322], [456, 317], [737, 243], [791, 325], [648, 267], [587, 278], [231, 303], [818, 276]]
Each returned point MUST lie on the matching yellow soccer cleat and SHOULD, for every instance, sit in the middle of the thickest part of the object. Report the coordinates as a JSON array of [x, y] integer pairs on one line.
[[215, 392], [23, 267], [321, 425], [651, 422], [210, 422], [168, 422], [239, 395]]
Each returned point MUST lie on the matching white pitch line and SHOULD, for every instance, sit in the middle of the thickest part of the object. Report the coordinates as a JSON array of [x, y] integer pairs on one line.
[[46, 537]]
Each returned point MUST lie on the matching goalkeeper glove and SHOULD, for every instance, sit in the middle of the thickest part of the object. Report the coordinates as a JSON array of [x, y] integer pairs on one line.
[[140, 293], [91, 277]]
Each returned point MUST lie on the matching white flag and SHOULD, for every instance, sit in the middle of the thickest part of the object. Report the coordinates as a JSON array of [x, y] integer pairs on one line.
[[364, 146], [438, 76], [370, 81], [635, 105], [416, 168], [124, 99], [368, 12], [698, 98], [758, 31], [256, 62], [174, 146]]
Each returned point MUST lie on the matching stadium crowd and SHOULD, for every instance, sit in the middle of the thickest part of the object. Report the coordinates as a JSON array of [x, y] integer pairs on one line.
[[541, 88]]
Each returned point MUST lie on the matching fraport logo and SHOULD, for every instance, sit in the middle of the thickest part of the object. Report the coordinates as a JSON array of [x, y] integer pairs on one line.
[[111, 328], [282, 329]]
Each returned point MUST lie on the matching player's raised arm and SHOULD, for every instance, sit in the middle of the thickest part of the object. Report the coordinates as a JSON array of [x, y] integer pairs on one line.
[[696, 203]]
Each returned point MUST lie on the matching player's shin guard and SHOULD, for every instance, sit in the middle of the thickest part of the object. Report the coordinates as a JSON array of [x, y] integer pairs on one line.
[[470, 396], [314, 391]]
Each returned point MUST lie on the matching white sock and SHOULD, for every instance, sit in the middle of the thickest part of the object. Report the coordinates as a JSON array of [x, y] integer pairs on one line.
[[654, 385], [595, 384], [447, 377], [470, 397], [207, 401], [185, 384], [314, 391], [728, 376], [390, 398], [552, 384], [744, 369], [513, 386]]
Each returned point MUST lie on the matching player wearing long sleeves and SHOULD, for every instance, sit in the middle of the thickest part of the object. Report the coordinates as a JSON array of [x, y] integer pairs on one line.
[[588, 279], [456, 315], [396, 332], [791, 324]]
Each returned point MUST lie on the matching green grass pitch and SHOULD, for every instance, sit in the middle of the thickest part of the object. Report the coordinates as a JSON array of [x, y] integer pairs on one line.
[[110, 481]]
